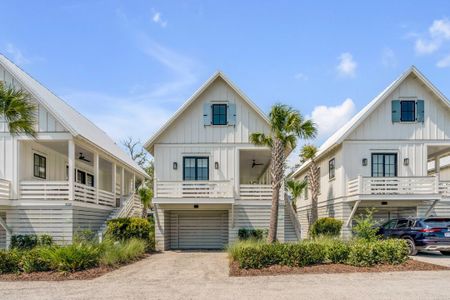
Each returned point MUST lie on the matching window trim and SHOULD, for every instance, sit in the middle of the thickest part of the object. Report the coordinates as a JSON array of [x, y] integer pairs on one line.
[[225, 114], [40, 157], [332, 162], [196, 167], [384, 156], [414, 111]]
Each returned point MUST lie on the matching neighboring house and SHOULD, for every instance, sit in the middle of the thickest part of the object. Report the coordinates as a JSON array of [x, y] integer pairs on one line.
[[388, 157], [71, 177], [210, 181]]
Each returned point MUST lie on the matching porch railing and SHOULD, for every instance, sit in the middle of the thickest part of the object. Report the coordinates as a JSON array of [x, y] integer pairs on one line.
[[194, 189], [393, 185], [44, 190], [255, 192], [5, 188]]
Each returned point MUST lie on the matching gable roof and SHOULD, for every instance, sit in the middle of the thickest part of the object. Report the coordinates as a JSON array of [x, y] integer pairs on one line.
[[73, 121], [219, 74], [341, 134]]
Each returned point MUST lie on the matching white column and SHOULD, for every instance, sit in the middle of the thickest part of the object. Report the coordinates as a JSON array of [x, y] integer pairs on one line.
[[122, 182], [114, 178], [133, 188], [437, 166], [96, 175], [71, 163]]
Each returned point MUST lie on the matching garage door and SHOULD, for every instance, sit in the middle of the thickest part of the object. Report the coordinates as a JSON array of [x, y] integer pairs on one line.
[[198, 229], [385, 214]]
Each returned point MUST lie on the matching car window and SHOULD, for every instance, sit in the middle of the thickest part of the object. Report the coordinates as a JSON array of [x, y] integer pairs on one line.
[[390, 224], [437, 222], [402, 224]]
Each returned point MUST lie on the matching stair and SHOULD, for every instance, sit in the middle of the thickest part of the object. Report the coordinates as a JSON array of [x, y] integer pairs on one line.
[[291, 224]]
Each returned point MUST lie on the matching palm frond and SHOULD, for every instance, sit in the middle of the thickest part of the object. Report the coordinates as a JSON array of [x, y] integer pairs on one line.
[[308, 152], [296, 187], [260, 139]]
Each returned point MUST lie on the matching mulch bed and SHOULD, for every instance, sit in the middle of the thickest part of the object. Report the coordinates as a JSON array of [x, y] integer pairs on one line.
[[410, 265], [59, 276]]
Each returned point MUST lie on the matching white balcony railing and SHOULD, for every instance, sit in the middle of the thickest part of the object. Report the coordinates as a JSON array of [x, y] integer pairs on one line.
[[444, 188], [194, 189], [5, 188], [424, 185], [255, 192]]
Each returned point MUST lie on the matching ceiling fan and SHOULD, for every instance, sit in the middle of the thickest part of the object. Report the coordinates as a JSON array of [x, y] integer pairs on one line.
[[256, 164], [83, 158]]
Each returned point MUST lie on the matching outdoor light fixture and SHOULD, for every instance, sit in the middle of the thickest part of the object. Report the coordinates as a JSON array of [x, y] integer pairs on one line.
[[175, 165], [406, 162], [216, 165], [364, 162]]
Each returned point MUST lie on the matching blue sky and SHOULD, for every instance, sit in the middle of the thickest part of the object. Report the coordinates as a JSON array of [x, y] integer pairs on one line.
[[128, 65]]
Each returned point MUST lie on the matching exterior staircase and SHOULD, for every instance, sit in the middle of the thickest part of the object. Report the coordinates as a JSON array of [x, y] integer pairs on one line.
[[292, 231], [130, 206]]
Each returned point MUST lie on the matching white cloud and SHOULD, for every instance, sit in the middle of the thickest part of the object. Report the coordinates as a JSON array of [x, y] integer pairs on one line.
[[438, 34], [331, 118], [347, 66], [388, 58], [16, 54], [444, 62], [300, 76], [158, 19]]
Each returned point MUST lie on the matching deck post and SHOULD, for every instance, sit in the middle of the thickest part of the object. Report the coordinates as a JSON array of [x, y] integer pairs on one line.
[[355, 207], [122, 182], [96, 175], [71, 163], [114, 179]]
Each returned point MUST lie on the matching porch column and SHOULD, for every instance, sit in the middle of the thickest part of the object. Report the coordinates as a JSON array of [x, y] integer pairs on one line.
[[122, 182], [71, 163], [437, 166], [114, 178], [96, 175], [134, 183]]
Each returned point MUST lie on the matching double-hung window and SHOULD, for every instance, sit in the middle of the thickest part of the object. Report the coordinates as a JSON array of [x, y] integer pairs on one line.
[[384, 164], [195, 168], [408, 111], [219, 114], [331, 169], [40, 166]]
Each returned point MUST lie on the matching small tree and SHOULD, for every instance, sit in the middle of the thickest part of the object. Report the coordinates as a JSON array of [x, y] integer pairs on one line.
[[296, 188], [146, 195], [308, 152], [365, 227]]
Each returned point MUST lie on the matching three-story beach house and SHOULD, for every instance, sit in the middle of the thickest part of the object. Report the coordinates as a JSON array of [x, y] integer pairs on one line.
[[210, 181], [71, 177], [388, 157]]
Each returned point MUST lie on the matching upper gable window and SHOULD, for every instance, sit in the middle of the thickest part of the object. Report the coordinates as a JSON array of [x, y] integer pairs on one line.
[[407, 111], [219, 114]]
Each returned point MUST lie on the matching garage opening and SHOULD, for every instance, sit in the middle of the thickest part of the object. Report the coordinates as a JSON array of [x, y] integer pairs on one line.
[[384, 214], [199, 229]]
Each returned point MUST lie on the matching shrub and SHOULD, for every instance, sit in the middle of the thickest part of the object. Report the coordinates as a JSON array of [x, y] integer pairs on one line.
[[365, 253], [365, 227], [128, 228], [75, 257], [392, 251], [34, 261], [24, 241], [117, 253], [9, 261], [326, 227], [85, 236], [336, 250], [252, 233], [45, 240]]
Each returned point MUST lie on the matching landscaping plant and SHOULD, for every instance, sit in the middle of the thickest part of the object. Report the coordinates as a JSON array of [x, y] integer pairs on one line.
[[252, 233], [330, 227], [308, 153], [117, 253], [365, 227], [71, 258]]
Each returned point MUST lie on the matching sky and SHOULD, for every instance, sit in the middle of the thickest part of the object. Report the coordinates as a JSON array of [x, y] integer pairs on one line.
[[129, 65]]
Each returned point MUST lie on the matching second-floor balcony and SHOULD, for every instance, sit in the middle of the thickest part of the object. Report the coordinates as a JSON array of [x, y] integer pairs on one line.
[[413, 187]]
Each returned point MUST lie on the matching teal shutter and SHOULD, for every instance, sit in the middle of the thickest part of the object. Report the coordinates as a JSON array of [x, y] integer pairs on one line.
[[420, 104], [231, 114], [396, 111], [207, 114]]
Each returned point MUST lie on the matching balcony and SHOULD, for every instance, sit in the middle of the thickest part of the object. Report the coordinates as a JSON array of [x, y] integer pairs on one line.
[[255, 192]]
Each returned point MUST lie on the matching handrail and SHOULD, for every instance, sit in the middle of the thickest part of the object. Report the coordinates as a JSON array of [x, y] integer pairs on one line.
[[401, 185], [294, 219], [194, 189]]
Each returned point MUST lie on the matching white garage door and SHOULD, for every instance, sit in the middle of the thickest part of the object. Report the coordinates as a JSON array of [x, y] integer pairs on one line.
[[198, 229]]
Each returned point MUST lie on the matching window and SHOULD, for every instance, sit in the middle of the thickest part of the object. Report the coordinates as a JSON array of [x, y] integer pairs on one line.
[[81, 177], [408, 111], [384, 164], [90, 180], [390, 224], [306, 188], [195, 168], [331, 169], [402, 224], [40, 166], [219, 114]]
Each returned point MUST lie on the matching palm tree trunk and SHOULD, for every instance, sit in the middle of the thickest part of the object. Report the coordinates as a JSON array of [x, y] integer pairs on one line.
[[314, 180], [144, 212], [277, 170]]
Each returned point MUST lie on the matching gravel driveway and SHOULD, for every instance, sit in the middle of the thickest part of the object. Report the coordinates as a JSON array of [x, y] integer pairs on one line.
[[203, 275]]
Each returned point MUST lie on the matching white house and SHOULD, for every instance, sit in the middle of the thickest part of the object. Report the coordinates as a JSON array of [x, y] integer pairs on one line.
[[210, 181], [388, 157], [71, 177]]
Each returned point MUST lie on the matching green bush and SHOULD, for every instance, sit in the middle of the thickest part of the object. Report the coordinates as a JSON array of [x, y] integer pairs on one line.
[[75, 257], [128, 228], [252, 233], [9, 261], [34, 261], [365, 253], [45, 240], [24, 241], [326, 227], [366, 226], [85, 236], [117, 253], [336, 250]]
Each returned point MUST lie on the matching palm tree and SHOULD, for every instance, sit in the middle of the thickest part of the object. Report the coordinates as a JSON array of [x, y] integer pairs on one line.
[[17, 110], [308, 152], [296, 188], [146, 195], [286, 126]]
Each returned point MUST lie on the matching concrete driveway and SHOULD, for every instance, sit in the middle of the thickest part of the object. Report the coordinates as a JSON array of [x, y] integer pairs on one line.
[[204, 275], [433, 258]]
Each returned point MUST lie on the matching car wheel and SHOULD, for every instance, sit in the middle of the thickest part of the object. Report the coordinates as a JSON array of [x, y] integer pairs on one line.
[[446, 253], [411, 246]]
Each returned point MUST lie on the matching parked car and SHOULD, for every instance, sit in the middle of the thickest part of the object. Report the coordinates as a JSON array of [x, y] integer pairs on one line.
[[431, 234]]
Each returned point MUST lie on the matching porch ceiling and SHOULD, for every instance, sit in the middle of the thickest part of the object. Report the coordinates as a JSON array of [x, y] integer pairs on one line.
[[248, 173]]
